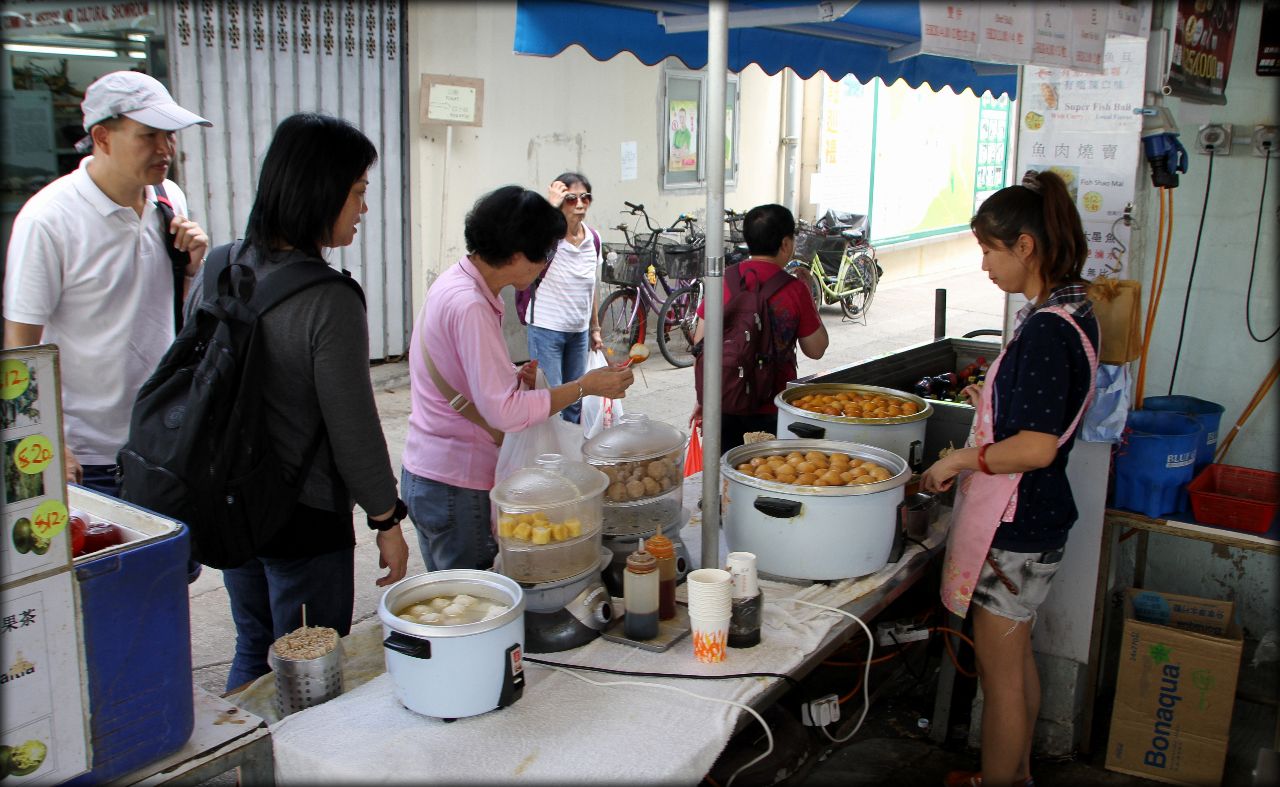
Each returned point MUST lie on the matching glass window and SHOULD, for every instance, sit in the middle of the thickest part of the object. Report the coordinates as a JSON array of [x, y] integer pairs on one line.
[[683, 142]]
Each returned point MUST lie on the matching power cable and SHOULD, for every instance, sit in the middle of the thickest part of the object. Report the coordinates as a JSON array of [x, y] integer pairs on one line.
[[1195, 256], [1253, 265]]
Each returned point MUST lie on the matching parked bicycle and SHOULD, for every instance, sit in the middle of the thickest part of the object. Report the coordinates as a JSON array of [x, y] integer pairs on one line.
[[841, 260], [680, 310], [671, 258]]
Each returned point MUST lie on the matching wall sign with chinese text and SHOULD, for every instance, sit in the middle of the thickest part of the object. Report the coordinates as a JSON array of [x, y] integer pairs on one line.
[[451, 101], [1203, 38]]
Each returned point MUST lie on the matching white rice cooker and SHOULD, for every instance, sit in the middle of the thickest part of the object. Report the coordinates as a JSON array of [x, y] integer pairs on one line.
[[453, 671], [903, 434], [812, 532]]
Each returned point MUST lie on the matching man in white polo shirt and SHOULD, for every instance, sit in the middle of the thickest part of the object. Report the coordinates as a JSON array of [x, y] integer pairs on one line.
[[88, 267]]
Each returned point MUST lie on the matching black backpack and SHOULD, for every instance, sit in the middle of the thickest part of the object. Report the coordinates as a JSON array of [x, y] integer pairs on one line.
[[751, 362], [198, 449], [177, 259]]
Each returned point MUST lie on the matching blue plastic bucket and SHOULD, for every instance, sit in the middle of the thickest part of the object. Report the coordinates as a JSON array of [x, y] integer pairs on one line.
[[1207, 414], [1155, 461]]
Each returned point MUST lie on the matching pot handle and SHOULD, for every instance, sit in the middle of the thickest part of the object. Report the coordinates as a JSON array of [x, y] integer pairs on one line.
[[410, 646], [807, 431], [915, 458], [777, 507]]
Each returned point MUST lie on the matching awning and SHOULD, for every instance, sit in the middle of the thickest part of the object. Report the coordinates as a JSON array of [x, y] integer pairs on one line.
[[875, 38]]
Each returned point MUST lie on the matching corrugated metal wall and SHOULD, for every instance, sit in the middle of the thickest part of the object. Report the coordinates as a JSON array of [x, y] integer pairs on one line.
[[248, 64]]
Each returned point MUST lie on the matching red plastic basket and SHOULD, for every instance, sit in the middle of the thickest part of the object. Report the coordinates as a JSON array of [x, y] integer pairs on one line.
[[1236, 497]]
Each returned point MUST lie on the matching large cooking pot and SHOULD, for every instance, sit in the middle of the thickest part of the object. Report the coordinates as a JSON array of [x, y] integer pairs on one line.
[[812, 532], [903, 434], [452, 671]]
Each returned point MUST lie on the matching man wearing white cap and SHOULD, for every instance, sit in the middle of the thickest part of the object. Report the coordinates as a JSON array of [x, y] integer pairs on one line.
[[89, 267]]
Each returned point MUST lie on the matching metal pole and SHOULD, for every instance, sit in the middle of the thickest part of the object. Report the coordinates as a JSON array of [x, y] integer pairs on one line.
[[791, 143], [939, 313], [713, 282]]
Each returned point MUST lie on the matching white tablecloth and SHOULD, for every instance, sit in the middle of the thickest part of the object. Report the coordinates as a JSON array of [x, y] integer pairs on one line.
[[565, 730]]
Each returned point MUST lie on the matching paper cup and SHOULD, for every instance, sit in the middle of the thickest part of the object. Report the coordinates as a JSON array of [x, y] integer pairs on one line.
[[709, 583], [742, 569], [710, 608], [710, 637]]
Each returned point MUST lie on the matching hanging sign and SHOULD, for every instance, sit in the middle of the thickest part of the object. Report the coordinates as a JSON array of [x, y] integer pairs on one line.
[[949, 29], [1088, 36], [1005, 32], [1203, 38], [82, 17]]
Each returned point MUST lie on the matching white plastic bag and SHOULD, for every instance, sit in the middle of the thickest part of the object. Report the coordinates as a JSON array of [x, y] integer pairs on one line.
[[553, 436], [598, 413], [1104, 421]]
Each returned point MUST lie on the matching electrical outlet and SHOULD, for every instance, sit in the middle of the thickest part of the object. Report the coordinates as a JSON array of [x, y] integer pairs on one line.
[[1215, 137], [821, 712], [1265, 138]]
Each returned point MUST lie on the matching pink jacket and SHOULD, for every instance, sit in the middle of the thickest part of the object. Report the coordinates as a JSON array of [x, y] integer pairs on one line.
[[461, 323]]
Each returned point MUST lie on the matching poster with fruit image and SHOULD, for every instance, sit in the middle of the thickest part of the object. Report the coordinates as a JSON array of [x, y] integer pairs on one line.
[[43, 736], [33, 540]]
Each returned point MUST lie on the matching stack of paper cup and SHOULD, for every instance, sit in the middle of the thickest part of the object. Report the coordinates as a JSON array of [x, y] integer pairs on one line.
[[742, 568], [710, 607]]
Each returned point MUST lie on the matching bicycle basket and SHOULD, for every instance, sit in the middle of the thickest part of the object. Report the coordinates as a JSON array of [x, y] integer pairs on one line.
[[623, 266], [682, 260], [808, 240]]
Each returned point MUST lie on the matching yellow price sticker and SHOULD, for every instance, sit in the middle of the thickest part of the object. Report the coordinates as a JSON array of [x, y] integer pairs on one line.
[[15, 378], [33, 454], [49, 519]]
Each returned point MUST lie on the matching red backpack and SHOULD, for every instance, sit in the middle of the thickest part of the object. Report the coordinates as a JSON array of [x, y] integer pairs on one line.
[[526, 296], [751, 362]]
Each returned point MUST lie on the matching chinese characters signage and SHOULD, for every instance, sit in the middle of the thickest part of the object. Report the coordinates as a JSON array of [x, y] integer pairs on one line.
[[1203, 38], [1082, 126]]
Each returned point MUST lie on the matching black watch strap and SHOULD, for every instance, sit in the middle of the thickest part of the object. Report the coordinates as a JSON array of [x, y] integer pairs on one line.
[[396, 518]]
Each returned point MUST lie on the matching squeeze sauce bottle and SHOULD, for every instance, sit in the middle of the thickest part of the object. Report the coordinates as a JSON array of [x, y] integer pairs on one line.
[[640, 595], [665, 553]]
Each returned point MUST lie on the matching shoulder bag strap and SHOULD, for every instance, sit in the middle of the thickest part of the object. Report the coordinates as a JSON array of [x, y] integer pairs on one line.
[[457, 402], [176, 258]]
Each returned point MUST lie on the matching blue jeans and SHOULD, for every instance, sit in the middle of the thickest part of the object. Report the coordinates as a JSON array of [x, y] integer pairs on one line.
[[267, 595], [452, 523], [106, 479], [562, 357]]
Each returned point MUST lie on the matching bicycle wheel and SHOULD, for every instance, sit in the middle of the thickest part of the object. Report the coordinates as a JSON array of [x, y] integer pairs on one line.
[[621, 324], [679, 321], [815, 289], [858, 286]]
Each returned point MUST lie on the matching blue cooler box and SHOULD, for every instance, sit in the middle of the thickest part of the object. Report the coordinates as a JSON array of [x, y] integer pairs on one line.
[[137, 638]]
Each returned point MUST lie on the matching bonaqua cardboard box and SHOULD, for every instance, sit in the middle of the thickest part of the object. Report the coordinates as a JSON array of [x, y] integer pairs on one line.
[[1176, 688]]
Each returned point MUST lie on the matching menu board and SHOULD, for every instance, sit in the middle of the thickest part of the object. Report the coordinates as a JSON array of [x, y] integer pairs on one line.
[[43, 711], [1083, 127]]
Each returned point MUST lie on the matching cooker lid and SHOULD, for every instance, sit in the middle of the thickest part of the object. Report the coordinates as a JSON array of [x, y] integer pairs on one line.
[[635, 437], [553, 481]]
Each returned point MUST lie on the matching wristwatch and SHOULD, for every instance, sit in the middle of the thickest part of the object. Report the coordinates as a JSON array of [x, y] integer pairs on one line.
[[396, 518]]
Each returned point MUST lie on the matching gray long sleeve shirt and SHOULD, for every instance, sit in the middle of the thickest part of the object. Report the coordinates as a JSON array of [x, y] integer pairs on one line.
[[316, 346]]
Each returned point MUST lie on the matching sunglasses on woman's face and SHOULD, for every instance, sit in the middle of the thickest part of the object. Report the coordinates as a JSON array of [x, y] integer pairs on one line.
[[572, 198]]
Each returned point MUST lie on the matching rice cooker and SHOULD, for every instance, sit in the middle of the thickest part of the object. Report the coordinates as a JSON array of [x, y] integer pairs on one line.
[[812, 532], [903, 434], [453, 671]]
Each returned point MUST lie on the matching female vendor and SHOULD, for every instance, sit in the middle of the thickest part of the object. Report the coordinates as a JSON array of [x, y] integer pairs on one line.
[[1014, 506]]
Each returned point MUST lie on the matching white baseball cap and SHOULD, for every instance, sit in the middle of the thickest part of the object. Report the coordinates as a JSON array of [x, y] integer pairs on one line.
[[137, 96]]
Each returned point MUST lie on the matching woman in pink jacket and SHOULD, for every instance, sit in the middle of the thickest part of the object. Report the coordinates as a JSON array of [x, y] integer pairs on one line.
[[466, 392]]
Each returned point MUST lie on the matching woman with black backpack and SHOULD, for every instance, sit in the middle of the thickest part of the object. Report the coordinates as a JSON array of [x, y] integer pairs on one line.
[[318, 404]]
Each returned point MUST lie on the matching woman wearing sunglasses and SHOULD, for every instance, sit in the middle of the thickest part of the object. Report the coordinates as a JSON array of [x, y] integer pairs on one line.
[[466, 392], [563, 314]]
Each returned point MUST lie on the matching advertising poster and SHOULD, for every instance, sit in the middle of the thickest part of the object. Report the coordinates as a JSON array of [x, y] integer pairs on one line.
[[682, 145], [1082, 126], [1269, 41], [1203, 38], [993, 148]]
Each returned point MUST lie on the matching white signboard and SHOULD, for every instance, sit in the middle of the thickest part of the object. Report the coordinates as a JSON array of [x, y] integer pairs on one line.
[[78, 17], [949, 28], [1082, 126], [1052, 34], [1088, 36], [1006, 32], [630, 160], [451, 101]]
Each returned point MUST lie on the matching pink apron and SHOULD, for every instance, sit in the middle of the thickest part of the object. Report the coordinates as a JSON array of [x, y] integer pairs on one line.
[[984, 501]]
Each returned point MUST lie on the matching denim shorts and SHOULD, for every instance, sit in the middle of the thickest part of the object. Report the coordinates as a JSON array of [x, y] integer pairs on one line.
[[1013, 585]]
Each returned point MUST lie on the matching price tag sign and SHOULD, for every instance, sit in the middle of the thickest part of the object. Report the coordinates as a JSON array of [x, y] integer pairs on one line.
[[49, 519], [15, 378], [33, 454]]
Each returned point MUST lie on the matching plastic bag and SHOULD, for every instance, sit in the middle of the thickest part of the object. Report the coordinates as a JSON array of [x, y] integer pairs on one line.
[[553, 436], [598, 413], [693, 455], [1104, 421]]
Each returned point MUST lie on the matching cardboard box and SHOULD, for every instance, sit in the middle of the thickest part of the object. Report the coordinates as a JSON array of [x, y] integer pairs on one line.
[[1179, 661]]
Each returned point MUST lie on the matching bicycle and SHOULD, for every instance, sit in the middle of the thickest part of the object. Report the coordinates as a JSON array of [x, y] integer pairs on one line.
[[680, 310], [645, 261], [841, 262]]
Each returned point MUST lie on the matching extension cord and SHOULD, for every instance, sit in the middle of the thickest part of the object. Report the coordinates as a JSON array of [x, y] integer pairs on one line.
[[899, 633]]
